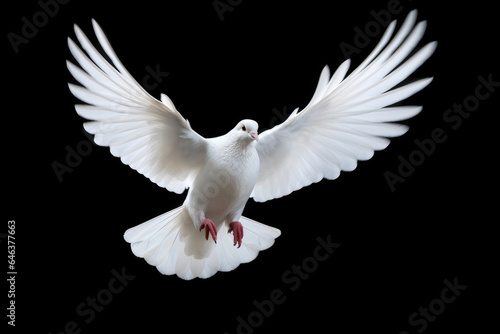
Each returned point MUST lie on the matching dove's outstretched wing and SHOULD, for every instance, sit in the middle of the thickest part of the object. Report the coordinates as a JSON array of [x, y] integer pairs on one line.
[[347, 119], [149, 135]]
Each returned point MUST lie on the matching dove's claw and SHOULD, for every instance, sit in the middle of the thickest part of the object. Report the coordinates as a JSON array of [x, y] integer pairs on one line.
[[210, 229], [237, 230]]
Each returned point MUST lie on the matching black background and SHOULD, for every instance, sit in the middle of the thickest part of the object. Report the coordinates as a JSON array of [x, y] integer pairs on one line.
[[397, 247]]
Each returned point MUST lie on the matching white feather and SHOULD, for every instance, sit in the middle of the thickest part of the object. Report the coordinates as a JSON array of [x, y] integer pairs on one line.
[[150, 136], [172, 244], [346, 119]]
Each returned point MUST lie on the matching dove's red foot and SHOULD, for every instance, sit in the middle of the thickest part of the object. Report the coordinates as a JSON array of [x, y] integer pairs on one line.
[[210, 229], [237, 230]]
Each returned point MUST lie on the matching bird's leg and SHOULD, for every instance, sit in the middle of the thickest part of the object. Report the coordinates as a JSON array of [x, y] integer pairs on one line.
[[237, 230], [210, 229]]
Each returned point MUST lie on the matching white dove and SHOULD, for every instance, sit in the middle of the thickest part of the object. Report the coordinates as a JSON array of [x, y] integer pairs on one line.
[[347, 119]]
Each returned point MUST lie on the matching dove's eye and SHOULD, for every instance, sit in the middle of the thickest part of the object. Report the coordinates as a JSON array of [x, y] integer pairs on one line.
[[244, 128]]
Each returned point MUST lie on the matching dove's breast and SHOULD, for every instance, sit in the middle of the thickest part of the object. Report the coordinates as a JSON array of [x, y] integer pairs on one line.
[[224, 184]]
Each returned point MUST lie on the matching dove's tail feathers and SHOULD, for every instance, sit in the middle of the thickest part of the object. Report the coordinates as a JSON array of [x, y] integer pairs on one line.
[[173, 244]]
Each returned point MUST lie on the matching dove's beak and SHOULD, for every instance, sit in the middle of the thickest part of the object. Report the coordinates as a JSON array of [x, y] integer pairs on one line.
[[254, 135]]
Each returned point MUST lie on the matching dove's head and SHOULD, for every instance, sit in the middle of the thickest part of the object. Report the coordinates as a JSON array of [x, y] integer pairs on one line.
[[246, 131]]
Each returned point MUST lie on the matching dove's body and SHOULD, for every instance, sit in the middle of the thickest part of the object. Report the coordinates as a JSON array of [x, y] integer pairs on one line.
[[224, 184], [219, 192], [348, 119]]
